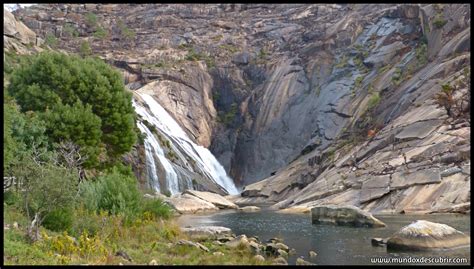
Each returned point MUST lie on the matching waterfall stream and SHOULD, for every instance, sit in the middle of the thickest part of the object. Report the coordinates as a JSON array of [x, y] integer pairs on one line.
[[182, 148]]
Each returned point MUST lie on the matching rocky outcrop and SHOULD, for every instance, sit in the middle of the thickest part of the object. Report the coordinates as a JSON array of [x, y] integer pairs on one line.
[[213, 198], [425, 235], [187, 203], [344, 215], [249, 209], [206, 232], [17, 37]]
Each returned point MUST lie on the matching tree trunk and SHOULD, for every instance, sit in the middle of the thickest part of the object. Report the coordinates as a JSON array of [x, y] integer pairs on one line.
[[33, 230]]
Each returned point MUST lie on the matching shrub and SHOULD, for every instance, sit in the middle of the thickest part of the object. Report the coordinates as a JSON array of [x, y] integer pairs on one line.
[[100, 33], [11, 197], [374, 100], [51, 79], [421, 54], [70, 30], [51, 40], [91, 19], [342, 63], [439, 22], [155, 208], [228, 117], [85, 49], [59, 220], [113, 192]]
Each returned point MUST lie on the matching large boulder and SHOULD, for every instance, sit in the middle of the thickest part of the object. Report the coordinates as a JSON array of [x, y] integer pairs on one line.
[[187, 203], [344, 215], [206, 232], [213, 198], [425, 235], [249, 209]]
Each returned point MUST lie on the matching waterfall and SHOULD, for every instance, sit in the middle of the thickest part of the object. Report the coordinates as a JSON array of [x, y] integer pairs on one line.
[[181, 144], [152, 146]]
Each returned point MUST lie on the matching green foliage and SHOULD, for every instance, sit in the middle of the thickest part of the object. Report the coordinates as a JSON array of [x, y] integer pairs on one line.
[[70, 30], [199, 56], [52, 79], [439, 22], [51, 40], [262, 54], [113, 192], [358, 61], [228, 117], [85, 49], [127, 33], [397, 76], [59, 220], [421, 54], [343, 62], [234, 49], [216, 95], [156, 209], [91, 19], [373, 101], [358, 81], [21, 133], [167, 193], [384, 69], [11, 197], [76, 123], [46, 187], [100, 33]]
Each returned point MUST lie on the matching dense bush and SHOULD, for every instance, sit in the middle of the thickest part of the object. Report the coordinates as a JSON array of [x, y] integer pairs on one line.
[[156, 208], [54, 79], [114, 192], [59, 220], [76, 123]]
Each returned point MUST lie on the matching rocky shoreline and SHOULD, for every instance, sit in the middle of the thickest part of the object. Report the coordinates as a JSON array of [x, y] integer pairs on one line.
[[419, 235]]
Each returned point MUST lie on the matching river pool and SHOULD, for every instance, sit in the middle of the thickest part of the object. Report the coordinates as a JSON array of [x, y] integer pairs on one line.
[[335, 245]]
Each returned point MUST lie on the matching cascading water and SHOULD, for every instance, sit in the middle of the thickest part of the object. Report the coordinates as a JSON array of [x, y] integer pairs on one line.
[[181, 144], [151, 145]]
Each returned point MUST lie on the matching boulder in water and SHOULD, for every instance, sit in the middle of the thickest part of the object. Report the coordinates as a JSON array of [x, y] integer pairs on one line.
[[376, 241], [249, 209], [425, 235], [344, 215], [300, 261]]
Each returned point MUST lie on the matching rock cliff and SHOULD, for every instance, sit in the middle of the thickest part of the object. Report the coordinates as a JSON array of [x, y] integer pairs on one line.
[[366, 105]]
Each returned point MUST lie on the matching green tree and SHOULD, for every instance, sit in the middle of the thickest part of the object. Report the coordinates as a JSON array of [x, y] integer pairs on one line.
[[76, 123], [53, 79], [21, 132], [46, 188]]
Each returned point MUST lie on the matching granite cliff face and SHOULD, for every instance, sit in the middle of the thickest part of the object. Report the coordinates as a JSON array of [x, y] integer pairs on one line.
[[302, 104]]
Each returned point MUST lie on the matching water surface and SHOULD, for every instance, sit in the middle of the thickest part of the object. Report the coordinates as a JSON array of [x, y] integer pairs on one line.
[[334, 244]]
